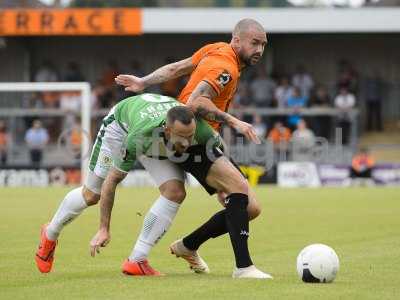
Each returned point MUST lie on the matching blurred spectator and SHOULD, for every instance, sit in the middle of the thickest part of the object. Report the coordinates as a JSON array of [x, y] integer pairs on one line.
[[171, 87], [46, 73], [303, 81], [321, 124], [70, 102], [96, 95], [259, 126], [101, 97], [136, 69], [106, 97], [361, 167], [111, 92], [348, 77], [345, 101], [75, 140], [373, 91], [32, 100], [321, 98], [50, 99], [36, 138], [303, 139], [4, 140], [262, 89], [280, 137], [279, 133], [73, 73], [283, 92], [242, 96], [108, 77], [278, 72], [296, 101]]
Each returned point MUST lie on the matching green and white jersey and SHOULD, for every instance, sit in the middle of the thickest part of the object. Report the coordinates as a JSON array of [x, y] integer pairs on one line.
[[142, 118]]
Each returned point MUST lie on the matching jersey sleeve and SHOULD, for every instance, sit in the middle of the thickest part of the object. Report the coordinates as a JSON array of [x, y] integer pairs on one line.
[[206, 135], [200, 54], [216, 73], [125, 160]]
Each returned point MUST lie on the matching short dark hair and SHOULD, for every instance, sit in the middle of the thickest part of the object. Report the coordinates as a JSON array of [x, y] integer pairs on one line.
[[180, 113]]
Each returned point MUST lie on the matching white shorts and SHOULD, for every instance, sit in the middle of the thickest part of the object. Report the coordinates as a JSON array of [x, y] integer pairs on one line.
[[109, 142]]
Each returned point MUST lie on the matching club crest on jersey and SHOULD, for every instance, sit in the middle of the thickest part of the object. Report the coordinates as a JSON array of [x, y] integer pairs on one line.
[[224, 78], [107, 160]]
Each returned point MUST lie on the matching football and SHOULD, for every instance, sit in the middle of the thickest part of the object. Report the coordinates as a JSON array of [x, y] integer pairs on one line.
[[317, 263]]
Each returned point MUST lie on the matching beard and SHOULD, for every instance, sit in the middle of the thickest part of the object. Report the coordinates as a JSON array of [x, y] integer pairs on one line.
[[247, 60]]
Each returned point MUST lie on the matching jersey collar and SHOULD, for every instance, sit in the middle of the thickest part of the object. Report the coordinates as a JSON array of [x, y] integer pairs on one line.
[[236, 57]]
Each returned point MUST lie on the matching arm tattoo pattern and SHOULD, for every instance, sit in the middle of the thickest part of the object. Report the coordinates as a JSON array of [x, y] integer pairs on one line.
[[208, 112], [212, 115]]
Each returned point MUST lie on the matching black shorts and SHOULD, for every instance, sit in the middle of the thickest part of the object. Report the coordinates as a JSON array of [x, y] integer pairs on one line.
[[199, 162], [364, 174]]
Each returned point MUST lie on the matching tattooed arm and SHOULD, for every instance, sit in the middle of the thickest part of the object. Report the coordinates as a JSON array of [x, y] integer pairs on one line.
[[163, 74], [200, 102]]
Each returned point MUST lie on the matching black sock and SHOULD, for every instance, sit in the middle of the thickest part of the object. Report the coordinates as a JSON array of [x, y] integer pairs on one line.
[[214, 227], [237, 222]]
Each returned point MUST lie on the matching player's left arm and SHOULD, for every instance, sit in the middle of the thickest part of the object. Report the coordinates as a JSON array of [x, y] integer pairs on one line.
[[103, 237], [201, 103], [162, 74]]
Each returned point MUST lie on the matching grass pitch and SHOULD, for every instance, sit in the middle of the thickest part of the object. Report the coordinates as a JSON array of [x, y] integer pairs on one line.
[[361, 224]]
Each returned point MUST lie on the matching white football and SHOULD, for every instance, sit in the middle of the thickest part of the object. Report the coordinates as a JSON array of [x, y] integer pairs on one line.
[[317, 263]]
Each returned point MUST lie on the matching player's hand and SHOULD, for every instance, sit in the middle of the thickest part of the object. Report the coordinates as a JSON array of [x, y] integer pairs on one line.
[[248, 131], [131, 83], [101, 239]]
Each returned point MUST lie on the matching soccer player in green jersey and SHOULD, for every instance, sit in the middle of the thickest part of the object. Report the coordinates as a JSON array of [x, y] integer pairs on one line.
[[149, 128], [199, 153]]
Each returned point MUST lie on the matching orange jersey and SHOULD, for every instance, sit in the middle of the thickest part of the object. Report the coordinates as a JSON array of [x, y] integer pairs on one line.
[[219, 66], [362, 162], [277, 136], [3, 139]]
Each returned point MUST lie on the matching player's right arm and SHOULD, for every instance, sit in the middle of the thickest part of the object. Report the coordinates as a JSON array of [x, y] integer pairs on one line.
[[102, 237], [163, 74], [121, 165]]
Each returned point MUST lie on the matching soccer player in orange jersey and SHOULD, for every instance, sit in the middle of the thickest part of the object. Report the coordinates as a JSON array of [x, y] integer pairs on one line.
[[214, 73]]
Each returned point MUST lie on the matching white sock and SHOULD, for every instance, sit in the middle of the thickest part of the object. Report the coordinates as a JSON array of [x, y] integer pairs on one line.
[[156, 223], [71, 207]]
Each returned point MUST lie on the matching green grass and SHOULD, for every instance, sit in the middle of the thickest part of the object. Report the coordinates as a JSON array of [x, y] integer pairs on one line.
[[362, 225]]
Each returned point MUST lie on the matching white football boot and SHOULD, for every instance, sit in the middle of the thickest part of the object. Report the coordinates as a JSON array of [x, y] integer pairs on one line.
[[196, 263], [250, 272]]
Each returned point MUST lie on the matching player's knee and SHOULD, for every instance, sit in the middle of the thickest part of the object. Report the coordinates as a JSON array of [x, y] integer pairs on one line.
[[176, 195], [254, 207], [174, 192], [90, 197], [254, 211]]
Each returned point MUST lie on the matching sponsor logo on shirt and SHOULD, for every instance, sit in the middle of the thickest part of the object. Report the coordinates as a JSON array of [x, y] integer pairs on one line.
[[224, 78]]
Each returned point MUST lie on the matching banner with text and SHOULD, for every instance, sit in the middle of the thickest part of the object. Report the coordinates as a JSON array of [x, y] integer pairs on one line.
[[289, 174], [78, 21], [308, 174]]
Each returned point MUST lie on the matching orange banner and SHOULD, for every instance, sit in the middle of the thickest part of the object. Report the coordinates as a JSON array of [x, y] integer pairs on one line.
[[85, 21]]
